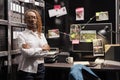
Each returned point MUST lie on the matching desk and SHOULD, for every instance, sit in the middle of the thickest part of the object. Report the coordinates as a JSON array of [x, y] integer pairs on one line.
[[105, 72], [57, 71]]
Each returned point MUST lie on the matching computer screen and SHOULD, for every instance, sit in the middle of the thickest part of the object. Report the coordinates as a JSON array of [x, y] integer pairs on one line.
[[87, 46]]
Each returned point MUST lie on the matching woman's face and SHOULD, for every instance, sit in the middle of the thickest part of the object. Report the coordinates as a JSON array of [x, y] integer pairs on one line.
[[31, 20]]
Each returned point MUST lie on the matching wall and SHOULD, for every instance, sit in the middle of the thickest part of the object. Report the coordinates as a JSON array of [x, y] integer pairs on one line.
[[90, 8]]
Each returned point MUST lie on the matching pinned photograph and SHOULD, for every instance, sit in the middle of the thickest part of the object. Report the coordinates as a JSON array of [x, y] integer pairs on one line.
[[98, 47], [52, 13], [80, 13], [87, 35], [57, 11], [75, 32], [62, 11], [101, 16], [53, 33]]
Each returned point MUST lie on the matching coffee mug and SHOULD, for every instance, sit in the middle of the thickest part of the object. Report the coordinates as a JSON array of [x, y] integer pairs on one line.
[[69, 59]]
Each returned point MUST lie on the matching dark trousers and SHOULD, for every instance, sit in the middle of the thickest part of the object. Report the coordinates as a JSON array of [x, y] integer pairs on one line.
[[33, 76]]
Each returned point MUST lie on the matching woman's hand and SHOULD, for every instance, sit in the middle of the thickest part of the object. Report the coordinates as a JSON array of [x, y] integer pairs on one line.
[[26, 46], [46, 47]]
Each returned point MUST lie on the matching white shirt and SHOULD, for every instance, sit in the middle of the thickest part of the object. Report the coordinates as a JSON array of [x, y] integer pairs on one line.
[[30, 58]]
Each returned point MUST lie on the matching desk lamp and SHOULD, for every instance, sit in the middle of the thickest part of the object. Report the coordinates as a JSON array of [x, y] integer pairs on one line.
[[103, 36], [104, 31]]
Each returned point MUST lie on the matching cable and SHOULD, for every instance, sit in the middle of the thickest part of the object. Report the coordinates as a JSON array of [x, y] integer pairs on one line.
[[88, 22]]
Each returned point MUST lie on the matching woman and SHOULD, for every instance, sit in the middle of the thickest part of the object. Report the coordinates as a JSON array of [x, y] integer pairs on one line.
[[34, 47]]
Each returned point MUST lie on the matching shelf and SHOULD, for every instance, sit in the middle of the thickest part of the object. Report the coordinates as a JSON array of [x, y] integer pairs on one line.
[[3, 22], [18, 24], [3, 53], [13, 52]]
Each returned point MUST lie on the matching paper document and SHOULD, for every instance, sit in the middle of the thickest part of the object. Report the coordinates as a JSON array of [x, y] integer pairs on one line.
[[82, 62], [107, 62], [112, 63], [99, 61], [52, 52]]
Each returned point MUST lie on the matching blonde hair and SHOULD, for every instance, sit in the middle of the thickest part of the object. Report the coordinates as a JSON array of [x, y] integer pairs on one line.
[[39, 20]]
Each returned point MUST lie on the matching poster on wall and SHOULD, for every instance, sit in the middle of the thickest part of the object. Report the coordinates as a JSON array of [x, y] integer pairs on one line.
[[75, 32], [79, 13]]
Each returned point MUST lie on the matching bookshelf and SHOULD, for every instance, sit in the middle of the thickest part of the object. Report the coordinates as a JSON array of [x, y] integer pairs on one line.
[[11, 23], [12, 19]]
